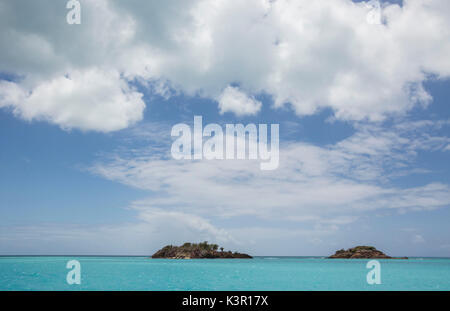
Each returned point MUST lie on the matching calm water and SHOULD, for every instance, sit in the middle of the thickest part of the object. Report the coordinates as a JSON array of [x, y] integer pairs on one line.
[[262, 273]]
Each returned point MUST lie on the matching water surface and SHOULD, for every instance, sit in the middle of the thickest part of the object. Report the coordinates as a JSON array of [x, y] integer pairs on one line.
[[260, 273]]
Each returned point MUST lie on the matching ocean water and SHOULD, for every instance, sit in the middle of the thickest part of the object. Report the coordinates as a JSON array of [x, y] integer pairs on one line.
[[261, 273]]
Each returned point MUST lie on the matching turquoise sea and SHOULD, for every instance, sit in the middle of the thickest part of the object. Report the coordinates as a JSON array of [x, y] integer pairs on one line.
[[261, 273]]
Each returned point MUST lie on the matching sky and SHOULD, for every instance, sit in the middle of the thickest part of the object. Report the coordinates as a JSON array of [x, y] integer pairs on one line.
[[360, 95]]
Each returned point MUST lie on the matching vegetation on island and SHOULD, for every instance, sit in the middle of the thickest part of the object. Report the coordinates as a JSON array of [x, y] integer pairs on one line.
[[362, 252], [196, 251]]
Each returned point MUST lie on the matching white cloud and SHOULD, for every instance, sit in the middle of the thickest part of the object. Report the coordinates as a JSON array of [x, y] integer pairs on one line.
[[330, 185], [90, 100], [233, 100], [306, 54]]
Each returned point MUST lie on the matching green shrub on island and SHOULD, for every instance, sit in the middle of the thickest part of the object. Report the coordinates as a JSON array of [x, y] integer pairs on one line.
[[196, 251], [362, 252]]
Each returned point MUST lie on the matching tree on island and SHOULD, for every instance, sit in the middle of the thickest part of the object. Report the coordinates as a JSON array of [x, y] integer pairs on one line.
[[196, 250]]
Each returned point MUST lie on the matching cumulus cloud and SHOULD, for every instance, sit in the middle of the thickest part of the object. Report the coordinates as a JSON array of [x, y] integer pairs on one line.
[[308, 55], [233, 100], [90, 100]]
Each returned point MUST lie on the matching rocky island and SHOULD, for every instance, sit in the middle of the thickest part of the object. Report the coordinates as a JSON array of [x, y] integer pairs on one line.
[[197, 251], [363, 252]]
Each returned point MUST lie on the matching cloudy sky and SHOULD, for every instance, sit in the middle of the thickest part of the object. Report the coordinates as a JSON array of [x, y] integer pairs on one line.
[[86, 112]]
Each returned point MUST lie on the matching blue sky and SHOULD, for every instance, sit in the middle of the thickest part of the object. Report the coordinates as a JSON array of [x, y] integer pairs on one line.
[[86, 114]]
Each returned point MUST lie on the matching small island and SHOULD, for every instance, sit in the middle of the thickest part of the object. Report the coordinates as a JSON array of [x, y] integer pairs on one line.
[[362, 252], [197, 251]]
